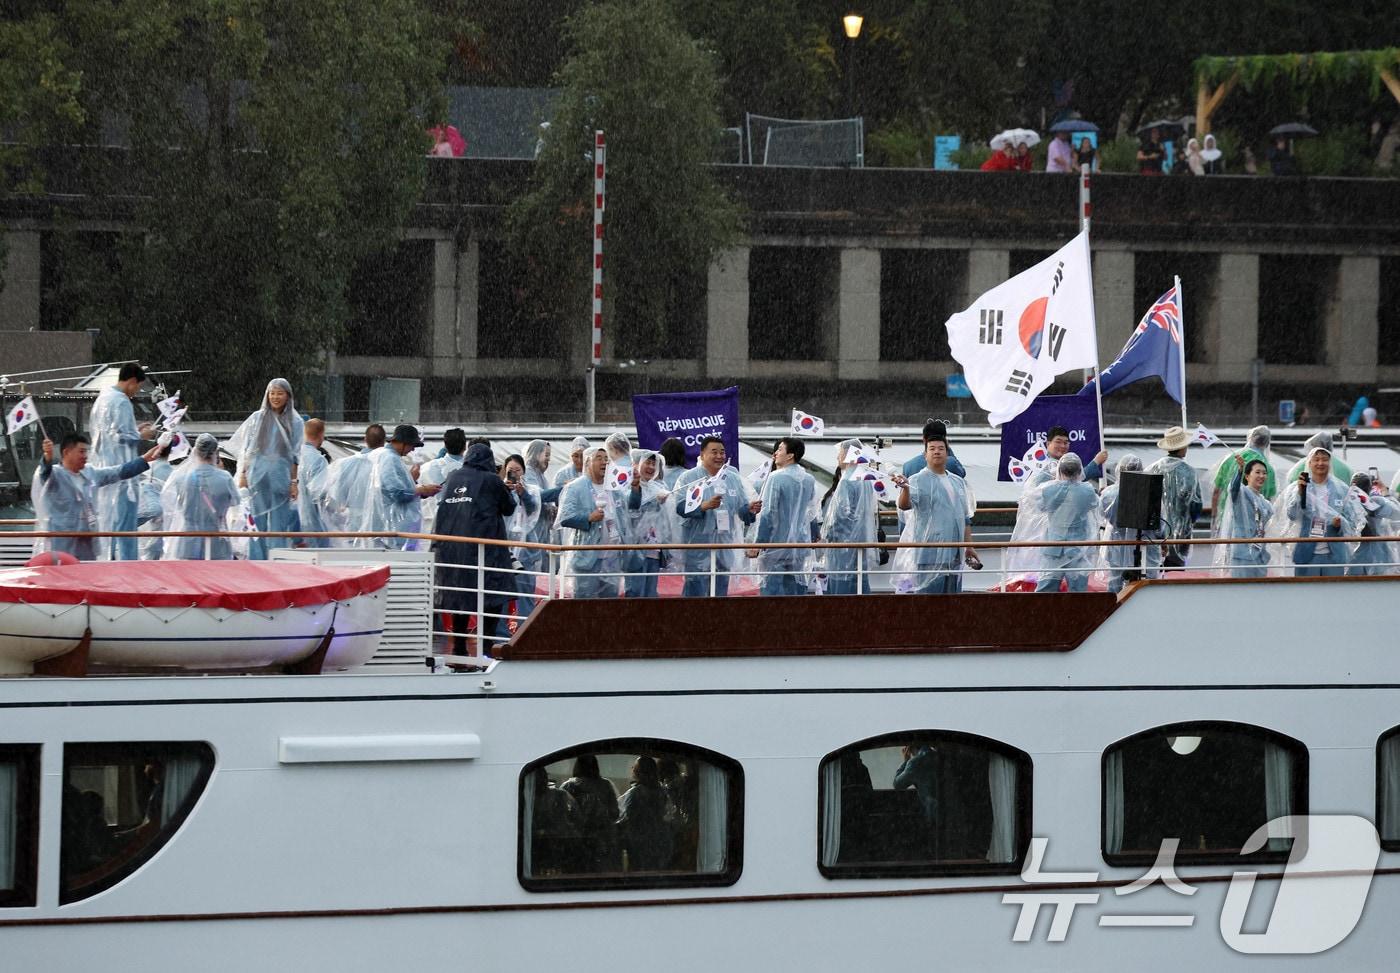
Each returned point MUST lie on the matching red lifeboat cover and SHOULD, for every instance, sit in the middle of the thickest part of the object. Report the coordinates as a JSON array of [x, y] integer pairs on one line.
[[231, 585]]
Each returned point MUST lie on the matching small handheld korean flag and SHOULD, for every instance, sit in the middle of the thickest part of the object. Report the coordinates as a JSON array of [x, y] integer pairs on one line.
[[21, 415], [180, 445], [619, 477], [885, 489], [1017, 470], [859, 457], [1204, 437], [1017, 337], [169, 405], [693, 495], [1036, 454], [806, 425], [759, 475]]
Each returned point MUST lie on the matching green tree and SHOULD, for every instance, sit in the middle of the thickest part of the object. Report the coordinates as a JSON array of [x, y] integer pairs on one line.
[[640, 78], [271, 147]]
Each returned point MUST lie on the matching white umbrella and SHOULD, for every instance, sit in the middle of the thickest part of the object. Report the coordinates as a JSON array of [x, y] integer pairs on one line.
[[1003, 139], [1031, 138]]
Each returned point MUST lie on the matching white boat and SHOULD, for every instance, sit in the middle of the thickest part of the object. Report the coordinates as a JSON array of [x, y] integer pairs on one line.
[[204, 615], [418, 820]]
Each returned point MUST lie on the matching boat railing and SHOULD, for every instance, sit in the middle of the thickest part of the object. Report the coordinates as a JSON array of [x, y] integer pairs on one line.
[[481, 604]]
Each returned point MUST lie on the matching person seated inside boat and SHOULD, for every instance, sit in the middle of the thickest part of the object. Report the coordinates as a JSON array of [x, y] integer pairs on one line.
[[554, 838], [595, 816], [682, 812], [65, 494], [642, 830], [919, 771]]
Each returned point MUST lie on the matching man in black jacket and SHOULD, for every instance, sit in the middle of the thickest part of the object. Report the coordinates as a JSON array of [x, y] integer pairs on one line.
[[474, 503]]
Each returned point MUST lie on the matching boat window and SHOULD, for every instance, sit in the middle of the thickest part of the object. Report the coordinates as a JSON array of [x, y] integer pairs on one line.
[[19, 816], [1209, 785], [630, 813], [121, 803], [924, 802], [1388, 789]]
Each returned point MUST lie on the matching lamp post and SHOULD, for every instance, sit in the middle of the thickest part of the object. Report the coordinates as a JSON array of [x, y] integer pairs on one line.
[[851, 23]]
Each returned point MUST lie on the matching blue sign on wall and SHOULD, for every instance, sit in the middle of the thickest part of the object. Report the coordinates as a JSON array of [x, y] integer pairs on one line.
[[957, 387], [1286, 410], [943, 148]]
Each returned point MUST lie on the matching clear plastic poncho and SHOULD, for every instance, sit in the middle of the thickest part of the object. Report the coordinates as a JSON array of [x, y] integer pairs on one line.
[[149, 513], [1312, 516], [786, 518], [200, 496], [268, 447], [941, 507], [391, 503], [1064, 509], [520, 525], [580, 498], [65, 501], [435, 472], [722, 525], [1244, 513], [347, 494], [851, 517], [1380, 513], [1022, 562], [313, 472], [648, 519], [537, 456], [1181, 495], [115, 441]]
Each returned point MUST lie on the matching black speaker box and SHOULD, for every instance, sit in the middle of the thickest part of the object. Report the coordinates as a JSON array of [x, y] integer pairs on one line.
[[1139, 502]]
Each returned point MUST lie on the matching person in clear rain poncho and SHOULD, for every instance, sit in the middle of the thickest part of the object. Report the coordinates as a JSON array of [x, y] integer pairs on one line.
[[940, 507], [1379, 510], [851, 516], [591, 514], [198, 497], [116, 441], [454, 450], [1315, 507], [1245, 513], [520, 527], [1256, 448], [537, 456], [268, 447], [648, 522], [1181, 494], [65, 494], [1340, 469], [619, 449], [573, 469], [149, 512], [1069, 510], [786, 518], [313, 473], [1119, 559], [392, 498], [714, 503]]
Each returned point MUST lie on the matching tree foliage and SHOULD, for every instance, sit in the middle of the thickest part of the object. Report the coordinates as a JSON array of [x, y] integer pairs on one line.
[[269, 147], [635, 74]]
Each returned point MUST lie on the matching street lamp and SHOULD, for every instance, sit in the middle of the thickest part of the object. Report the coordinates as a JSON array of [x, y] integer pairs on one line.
[[851, 23]]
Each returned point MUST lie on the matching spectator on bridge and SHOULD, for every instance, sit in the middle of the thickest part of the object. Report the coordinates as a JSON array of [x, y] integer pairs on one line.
[[1059, 156], [1195, 165], [1151, 154], [1086, 155], [1281, 160], [1212, 159]]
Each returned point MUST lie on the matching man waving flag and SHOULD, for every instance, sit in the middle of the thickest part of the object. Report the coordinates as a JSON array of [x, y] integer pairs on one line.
[[1018, 336]]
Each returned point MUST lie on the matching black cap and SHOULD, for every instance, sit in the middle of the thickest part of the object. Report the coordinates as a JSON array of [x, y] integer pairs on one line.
[[406, 434], [936, 430]]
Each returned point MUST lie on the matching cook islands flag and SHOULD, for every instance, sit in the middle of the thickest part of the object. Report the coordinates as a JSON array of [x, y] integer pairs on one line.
[[21, 415], [1016, 338], [1154, 348]]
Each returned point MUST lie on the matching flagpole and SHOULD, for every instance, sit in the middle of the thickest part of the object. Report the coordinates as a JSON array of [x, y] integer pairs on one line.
[[1181, 347], [1093, 320]]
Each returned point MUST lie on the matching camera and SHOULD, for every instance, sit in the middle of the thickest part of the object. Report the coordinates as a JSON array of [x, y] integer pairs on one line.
[[511, 478]]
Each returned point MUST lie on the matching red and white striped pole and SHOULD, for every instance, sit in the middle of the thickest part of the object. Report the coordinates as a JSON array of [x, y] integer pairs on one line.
[[599, 192], [1084, 204]]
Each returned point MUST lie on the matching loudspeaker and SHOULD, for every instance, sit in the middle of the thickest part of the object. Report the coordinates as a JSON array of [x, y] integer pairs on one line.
[[1139, 502]]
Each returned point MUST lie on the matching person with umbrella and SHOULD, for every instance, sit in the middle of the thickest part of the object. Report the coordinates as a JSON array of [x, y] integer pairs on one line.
[[1281, 160], [1000, 160]]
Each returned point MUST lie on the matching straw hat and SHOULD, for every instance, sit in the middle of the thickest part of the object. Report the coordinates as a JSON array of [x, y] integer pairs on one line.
[[1176, 438]]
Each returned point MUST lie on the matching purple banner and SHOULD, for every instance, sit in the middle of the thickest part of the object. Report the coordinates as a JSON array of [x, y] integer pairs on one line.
[[689, 417], [1079, 414]]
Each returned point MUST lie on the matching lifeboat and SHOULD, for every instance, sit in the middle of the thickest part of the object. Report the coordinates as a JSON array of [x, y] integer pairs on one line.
[[200, 615]]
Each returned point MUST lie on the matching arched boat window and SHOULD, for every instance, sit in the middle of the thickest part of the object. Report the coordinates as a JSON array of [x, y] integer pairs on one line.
[[1210, 785], [924, 802], [1388, 789], [630, 813], [121, 803], [19, 817]]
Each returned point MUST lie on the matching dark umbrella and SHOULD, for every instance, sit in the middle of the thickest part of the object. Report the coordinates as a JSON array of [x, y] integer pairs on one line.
[[1293, 130], [1163, 124], [1074, 125]]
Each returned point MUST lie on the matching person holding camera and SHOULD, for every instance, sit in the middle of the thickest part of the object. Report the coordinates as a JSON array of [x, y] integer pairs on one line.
[[1316, 507]]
